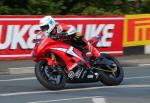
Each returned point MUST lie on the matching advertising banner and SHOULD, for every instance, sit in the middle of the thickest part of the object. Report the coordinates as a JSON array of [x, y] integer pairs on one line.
[[136, 30], [17, 33]]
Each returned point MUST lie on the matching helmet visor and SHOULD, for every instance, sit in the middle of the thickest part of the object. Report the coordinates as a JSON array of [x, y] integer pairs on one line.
[[44, 28]]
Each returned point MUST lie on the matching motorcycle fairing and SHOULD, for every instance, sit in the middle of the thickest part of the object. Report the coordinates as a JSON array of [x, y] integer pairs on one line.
[[70, 55]]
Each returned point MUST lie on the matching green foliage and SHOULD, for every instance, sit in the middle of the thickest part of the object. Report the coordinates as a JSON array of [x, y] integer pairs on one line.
[[146, 6], [4, 10], [93, 10], [73, 7]]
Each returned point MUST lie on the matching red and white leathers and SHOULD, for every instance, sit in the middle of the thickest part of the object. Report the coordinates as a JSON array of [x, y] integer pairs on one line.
[[75, 37]]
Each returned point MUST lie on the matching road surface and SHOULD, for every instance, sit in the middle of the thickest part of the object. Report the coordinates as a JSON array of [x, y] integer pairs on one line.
[[25, 88]]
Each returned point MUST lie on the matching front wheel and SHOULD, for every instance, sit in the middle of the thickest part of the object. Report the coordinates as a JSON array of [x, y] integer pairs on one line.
[[51, 78], [115, 77]]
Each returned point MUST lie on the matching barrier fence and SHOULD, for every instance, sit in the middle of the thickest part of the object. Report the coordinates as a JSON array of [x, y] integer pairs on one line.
[[136, 30], [136, 38], [17, 32]]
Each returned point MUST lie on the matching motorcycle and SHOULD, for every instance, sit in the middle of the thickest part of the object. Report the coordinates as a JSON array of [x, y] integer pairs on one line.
[[58, 63]]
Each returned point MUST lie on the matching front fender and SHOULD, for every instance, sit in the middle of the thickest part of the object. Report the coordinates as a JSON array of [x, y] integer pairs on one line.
[[103, 60]]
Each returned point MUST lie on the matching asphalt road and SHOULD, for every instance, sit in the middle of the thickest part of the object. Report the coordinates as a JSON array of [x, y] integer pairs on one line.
[[25, 88]]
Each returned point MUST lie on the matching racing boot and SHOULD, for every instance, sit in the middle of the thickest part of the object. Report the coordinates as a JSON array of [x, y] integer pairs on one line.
[[84, 44]]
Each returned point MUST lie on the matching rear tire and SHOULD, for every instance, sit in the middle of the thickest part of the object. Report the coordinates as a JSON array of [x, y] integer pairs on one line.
[[44, 78], [109, 80]]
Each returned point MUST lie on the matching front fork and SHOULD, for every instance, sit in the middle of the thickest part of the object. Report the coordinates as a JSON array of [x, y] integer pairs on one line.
[[54, 62]]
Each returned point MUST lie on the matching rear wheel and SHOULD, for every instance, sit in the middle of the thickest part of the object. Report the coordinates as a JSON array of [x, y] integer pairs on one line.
[[114, 77], [51, 78]]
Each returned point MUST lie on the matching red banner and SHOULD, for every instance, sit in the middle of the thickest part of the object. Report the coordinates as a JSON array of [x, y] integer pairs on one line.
[[17, 33]]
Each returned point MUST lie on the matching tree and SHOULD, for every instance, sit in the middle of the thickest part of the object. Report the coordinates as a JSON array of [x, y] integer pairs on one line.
[[73, 7]]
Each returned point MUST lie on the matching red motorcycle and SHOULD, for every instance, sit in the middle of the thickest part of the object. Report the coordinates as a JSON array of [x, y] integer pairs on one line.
[[58, 63]]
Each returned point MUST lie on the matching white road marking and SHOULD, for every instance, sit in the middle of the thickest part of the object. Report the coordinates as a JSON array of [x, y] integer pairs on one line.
[[69, 99], [137, 66], [21, 55], [137, 77], [99, 100], [141, 65], [21, 70], [18, 79], [132, 67], [71, 90]]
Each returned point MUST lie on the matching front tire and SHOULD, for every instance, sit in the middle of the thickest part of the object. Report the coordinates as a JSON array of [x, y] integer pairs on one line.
[[47, 77], [114, 78]]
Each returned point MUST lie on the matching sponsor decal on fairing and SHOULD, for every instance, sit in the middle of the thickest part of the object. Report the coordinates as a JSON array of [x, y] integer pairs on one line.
[[69, 51]]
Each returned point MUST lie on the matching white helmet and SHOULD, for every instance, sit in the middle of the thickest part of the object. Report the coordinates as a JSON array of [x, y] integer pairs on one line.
[[47, 24]]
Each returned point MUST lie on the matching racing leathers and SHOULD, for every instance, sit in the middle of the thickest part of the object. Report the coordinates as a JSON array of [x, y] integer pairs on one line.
[[76, 38]]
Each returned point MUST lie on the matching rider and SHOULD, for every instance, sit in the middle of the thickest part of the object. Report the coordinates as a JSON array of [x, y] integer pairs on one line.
[[50, 28]]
